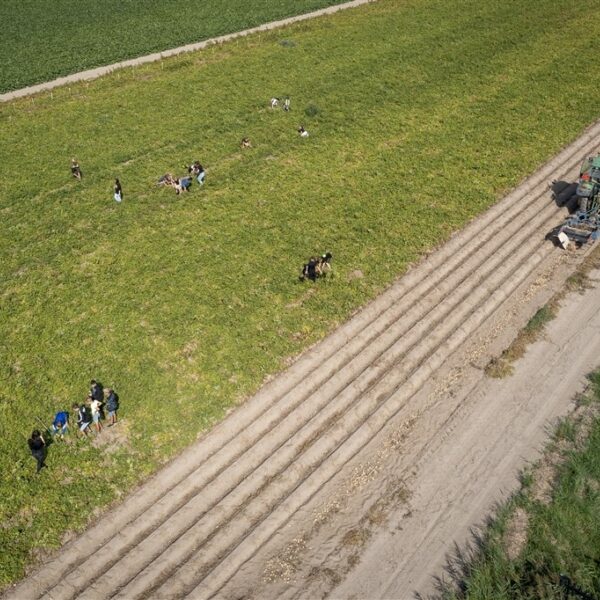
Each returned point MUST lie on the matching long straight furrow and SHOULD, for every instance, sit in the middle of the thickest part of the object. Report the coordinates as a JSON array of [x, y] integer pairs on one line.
[[191, 528], [344, 436]]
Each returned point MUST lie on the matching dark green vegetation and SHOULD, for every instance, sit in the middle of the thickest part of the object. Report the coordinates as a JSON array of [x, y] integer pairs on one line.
[[545, 543], [419, 116], [44, 39]]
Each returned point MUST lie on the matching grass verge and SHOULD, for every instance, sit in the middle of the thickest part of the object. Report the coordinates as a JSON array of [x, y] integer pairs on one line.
[[545, 543], [420, 117]]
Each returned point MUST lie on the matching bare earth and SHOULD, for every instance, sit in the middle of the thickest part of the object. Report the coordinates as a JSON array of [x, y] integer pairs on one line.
[[354, 473]]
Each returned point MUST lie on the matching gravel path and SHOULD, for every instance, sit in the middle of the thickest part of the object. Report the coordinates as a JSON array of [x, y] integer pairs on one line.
[[200, 523], [100, 71]]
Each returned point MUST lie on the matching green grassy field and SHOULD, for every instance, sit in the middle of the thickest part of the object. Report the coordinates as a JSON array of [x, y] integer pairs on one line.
[[556, 552], [42, 40], [419, 117]]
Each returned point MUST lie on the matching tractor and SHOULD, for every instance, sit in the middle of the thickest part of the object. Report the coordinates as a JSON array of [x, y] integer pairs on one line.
[[588, 186], [584, 225]]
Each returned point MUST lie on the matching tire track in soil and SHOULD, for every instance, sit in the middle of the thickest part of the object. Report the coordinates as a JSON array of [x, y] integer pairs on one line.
[[197, 522]]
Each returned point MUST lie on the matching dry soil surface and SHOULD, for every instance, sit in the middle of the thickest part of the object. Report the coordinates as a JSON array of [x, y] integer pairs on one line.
[[356, 471]]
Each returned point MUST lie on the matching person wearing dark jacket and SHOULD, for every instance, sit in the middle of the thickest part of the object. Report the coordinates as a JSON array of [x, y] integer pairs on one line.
[[84, 417], [37, 445], [96, 391], [112, 406]]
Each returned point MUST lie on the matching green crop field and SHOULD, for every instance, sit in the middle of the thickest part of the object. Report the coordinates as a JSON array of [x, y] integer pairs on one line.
[[42, 40], [420, 117]]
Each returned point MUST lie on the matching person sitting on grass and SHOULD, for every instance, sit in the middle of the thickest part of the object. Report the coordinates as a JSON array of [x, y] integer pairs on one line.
[[37, 445], [274, 102], [182, 185], [60, 423], [112, 406], [166, 179], [245, 143], [75, 170], [84, 418], [303, 133]]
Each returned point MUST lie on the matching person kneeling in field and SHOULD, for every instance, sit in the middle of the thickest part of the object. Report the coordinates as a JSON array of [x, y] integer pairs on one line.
[[75, 170], [316, 267], [245, 143], [197, 170], [309, 270]]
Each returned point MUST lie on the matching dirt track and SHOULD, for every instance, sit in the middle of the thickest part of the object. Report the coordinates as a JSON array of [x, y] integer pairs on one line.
[[294, 493]]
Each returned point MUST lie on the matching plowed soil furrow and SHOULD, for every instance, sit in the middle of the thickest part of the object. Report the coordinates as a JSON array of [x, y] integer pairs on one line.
[[202, 535], [190, 529], [345, 440], [157, 571]]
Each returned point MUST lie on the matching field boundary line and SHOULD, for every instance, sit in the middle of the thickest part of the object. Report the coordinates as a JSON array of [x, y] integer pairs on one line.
[[97, 72]]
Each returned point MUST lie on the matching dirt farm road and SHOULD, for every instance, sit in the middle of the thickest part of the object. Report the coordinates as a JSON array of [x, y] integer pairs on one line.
[[355, 472]]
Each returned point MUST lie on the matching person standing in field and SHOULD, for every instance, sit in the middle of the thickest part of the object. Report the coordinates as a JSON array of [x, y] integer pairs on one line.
[[112, 406], [37, 445], [96, 390], [83, 418], [118, 191], [95, 408]]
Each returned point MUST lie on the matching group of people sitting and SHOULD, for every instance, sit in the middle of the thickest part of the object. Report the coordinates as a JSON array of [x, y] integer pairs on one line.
[[316, 267], [98, 402], [183, 184]]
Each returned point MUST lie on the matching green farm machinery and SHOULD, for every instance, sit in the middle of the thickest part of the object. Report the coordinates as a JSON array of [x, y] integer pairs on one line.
[[584, 225]]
